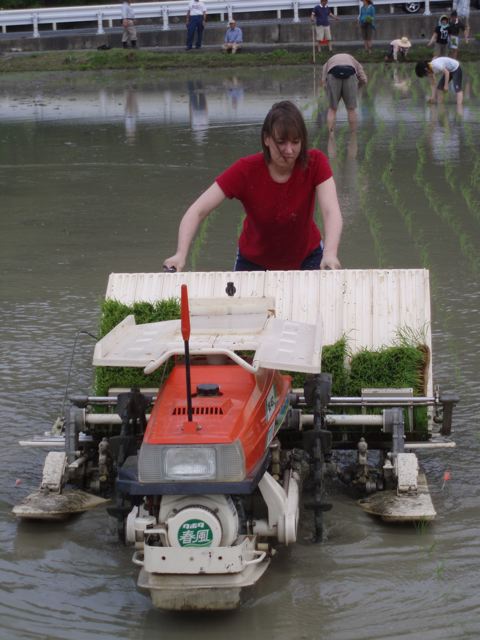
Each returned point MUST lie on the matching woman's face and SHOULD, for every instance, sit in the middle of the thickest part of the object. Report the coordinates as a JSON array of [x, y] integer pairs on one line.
[[284, 152]]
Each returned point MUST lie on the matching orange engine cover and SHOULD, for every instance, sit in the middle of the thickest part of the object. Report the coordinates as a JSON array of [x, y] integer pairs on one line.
[[249, 408]]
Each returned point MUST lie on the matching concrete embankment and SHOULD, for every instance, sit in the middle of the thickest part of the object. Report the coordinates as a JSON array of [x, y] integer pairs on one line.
[[258, 34]]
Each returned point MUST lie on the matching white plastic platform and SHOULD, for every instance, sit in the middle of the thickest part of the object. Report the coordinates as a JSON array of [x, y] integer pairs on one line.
[[369, 306], [217, 327]]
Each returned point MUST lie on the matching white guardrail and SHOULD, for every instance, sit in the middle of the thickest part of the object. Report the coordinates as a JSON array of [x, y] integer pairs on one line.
[[162, 11]]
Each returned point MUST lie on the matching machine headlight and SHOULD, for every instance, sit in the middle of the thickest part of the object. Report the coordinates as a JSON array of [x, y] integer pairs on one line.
[[187, 463], [184, 463]]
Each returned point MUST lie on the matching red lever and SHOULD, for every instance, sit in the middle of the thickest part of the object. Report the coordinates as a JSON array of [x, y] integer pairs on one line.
[[185, 313]]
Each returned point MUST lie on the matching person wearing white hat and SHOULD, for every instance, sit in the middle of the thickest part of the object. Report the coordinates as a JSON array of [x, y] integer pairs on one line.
[[233, 38], [398, 47]]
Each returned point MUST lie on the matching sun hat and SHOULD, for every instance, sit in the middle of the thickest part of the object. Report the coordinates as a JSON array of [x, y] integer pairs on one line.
[[405, 42]]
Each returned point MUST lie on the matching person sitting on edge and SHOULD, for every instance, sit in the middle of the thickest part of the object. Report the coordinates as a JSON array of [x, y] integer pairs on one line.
[[451, 72], [278, 189], [398, 47], [455, 26], [321, 15], [440, 37], [341, 75], [233, 38]]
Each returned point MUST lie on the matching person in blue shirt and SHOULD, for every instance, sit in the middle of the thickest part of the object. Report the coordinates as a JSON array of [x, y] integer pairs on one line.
[[233, 38], [321, 14], [366, 19]]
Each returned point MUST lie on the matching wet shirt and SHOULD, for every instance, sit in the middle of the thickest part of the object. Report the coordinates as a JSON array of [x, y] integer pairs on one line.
[[279, 230]]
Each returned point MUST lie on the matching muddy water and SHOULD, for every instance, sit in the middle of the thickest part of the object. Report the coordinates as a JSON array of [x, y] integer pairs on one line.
[[95, 172]]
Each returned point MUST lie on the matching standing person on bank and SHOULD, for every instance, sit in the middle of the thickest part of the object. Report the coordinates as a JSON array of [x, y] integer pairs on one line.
[[278, 189], [366, 19], [196, 19], [462, 7], [450, 71], [341, 76], [128, 23], [440, 37], [321, 14], [455, 26]]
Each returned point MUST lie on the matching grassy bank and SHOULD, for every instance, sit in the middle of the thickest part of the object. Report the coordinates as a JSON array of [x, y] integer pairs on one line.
[[121, 59]]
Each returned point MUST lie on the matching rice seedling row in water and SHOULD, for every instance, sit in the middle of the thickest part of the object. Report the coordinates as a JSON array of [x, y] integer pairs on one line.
[[471, 200], [416, 234], [420, 241], [446, 213], [473, 75], [364, 175], [198, 245]]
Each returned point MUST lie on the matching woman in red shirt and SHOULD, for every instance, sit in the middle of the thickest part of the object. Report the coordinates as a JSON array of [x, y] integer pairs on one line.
[[278, 189]]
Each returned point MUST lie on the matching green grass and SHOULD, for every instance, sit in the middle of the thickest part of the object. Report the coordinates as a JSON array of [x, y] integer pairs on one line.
[[86, 60]]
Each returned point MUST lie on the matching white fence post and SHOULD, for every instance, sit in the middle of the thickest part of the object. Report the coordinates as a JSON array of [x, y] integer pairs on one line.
[[230, 12], [295, 12], [100, 29], [165, 26], [36, 33], [427, 11]]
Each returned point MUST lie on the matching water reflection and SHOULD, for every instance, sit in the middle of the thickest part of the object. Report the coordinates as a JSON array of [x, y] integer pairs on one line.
[[444, 134], [198, 110], [131, 114], [235, 91], [401, 81]]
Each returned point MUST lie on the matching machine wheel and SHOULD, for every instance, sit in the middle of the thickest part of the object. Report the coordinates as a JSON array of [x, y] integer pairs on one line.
[[412, 7]]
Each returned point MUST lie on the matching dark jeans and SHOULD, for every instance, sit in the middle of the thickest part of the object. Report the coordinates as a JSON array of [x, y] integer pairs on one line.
[[455, 79], [195, 24], [311, 262]]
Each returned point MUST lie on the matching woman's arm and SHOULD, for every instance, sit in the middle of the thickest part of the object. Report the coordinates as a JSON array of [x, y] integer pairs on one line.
[[332, 223], [198, 211]]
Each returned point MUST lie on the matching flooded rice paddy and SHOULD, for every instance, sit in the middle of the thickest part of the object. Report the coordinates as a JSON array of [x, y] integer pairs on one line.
[[95, 172]]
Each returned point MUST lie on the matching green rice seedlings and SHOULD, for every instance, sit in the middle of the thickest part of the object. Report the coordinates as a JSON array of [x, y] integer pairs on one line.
[[198, 246], [113, 312], [472, 202]]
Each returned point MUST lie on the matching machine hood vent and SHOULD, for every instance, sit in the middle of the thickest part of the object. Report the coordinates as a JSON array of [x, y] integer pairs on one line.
[[199, 411]]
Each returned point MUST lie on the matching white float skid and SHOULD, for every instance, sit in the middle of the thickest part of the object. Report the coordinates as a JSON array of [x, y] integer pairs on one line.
[[211, 577]]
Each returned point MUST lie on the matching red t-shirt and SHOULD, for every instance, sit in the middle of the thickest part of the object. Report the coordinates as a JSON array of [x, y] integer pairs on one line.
[[279, 231]]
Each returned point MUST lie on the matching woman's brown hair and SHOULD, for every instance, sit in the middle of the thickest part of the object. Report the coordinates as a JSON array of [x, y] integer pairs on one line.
[[285, 122]]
